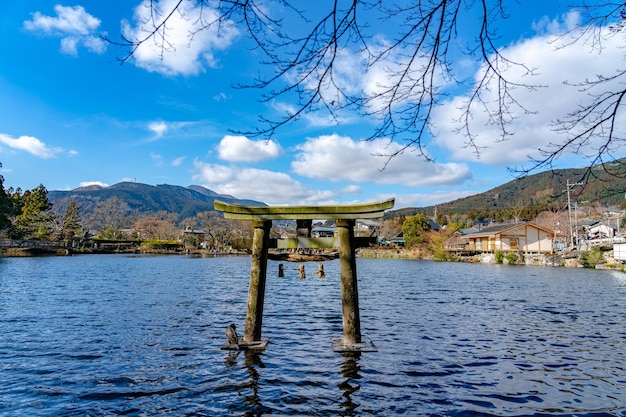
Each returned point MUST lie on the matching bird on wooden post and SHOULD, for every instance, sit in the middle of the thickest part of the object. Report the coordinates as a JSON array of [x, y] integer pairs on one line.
[[231, 336]]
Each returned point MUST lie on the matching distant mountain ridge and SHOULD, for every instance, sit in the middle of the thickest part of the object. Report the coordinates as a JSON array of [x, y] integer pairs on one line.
[[603, 183], [144, 199], [532, 190]]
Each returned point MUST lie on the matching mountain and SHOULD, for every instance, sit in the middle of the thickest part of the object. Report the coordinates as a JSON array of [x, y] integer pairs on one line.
[[602, 183], [143, 199]]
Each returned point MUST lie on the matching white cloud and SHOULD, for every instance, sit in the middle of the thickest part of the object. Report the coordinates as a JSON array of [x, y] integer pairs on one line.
[[336, 158], [180, 55], [274, 188], [178, 161], [242, 149], [554, 66], [73, 25], [90, 183], [430, 199], [160, 161], [158, 128], [31, 145]]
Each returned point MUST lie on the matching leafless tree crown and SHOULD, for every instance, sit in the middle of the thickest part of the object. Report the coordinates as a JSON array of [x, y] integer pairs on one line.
[[302, 49]]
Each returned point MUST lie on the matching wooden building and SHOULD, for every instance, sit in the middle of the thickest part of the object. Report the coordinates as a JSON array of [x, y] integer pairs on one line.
[[521, 237]]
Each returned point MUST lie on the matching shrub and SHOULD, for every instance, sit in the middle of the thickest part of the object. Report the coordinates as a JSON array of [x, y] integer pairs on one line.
[[499, 256], [589, 259], [511, 258]]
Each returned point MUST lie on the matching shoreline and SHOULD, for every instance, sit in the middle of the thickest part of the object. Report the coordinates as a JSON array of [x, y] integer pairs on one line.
[[565, 260]]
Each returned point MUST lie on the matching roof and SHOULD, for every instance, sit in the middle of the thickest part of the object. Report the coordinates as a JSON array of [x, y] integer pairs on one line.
[[468, 230], [194, 231], [500, 228], [324, 229]]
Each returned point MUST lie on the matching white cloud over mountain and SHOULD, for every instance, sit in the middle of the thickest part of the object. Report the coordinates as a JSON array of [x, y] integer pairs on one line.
[[242, 149], [334, 158]]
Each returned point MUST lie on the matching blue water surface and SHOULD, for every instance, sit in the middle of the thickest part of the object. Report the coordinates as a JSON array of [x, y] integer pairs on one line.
[[113, 335]]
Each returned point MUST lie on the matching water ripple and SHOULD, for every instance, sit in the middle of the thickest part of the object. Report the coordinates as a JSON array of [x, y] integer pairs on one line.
[[116, 335]]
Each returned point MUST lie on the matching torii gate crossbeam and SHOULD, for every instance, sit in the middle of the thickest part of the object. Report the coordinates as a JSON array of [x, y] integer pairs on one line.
[[345, 217]]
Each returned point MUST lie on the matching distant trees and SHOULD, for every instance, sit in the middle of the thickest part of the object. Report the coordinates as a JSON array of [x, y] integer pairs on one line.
[[6, 206], [156, 226], [28, 215], [110, 217], [219, 232]]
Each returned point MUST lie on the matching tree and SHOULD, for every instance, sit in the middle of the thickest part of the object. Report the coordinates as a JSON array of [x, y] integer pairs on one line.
[[220, 231], [6, 206], [71, 221], [113, 214], [304, 50], [414, 227], [156, 226], [35, 219]]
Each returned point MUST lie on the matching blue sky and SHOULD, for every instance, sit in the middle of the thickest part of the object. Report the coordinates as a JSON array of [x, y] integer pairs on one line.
[[71, 115]]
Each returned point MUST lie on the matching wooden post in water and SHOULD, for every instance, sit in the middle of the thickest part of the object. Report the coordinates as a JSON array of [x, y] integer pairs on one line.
[[258, 274], [349, 288]]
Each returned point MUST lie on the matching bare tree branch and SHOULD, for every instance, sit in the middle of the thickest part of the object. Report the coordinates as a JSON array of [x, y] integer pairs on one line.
[[303, 55]]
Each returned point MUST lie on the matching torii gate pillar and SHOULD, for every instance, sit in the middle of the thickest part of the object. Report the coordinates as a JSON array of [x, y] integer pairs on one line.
[[258, 274], [349, 288]]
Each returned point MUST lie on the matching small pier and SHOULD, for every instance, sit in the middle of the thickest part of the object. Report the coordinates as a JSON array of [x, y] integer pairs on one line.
[[345, 217]]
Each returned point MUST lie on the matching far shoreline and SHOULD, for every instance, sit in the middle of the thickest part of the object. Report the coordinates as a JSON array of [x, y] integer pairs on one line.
[[566, 260]]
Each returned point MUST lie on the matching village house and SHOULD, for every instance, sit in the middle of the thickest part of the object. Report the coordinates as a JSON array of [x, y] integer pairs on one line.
[[521, 237], [192, 237], [599, 230]]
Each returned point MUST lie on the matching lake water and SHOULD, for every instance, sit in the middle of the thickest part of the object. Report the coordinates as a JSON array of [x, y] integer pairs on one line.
[[100, 335]]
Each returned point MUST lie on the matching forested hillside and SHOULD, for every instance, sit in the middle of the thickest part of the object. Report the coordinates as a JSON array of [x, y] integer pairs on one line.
[[136, 198], [533, 193]]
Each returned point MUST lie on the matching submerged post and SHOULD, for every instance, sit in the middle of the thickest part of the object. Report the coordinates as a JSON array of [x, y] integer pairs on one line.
[[349, 288], [258, 275]]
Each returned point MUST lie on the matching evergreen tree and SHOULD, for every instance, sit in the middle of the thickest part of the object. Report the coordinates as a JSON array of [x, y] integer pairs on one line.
[[71, 221], [6, 206], [35, 219]]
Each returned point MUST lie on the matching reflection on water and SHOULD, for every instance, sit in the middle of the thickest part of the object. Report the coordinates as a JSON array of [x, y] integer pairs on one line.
[[115, 335], [252, 362], [350, 371]]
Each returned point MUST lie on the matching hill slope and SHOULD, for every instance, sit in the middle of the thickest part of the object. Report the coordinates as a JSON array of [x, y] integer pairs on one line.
[[604, 184], [144, 199]]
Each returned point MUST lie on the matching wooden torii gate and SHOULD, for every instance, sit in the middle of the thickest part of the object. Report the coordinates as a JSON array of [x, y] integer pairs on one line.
[[345, 217]]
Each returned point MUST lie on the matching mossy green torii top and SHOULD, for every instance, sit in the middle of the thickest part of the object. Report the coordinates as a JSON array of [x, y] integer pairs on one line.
[[348, 211]]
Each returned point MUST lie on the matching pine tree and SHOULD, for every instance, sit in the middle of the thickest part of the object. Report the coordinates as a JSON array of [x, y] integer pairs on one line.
[[35, 218]]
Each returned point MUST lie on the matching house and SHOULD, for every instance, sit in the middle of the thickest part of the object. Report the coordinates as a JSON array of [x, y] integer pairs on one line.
[[323, 231], [366, 227], [599, 230], [192, 235], [521, 237]]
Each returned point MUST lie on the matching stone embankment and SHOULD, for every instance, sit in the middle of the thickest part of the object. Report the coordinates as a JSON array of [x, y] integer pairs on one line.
[[572, 259]]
